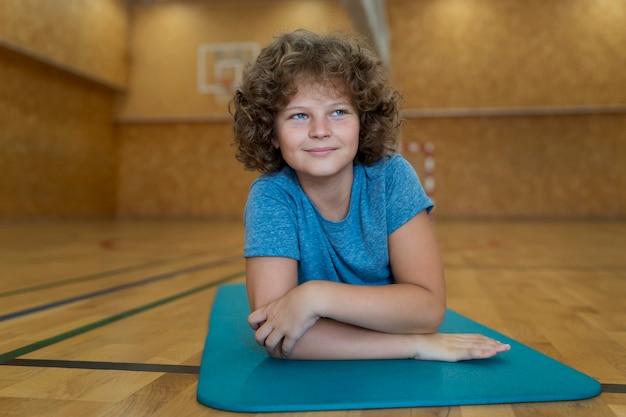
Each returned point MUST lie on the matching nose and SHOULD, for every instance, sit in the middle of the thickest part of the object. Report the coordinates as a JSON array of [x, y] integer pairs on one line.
[[319, 129]]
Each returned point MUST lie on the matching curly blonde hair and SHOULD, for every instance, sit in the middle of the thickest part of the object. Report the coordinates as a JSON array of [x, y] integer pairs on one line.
[[340, 60]]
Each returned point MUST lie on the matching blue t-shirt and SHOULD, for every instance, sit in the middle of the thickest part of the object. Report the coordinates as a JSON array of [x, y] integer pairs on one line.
[[280, 220]]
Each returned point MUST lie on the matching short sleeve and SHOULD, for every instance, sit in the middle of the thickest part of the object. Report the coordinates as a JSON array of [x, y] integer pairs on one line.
[[405, 195], [270, 222]]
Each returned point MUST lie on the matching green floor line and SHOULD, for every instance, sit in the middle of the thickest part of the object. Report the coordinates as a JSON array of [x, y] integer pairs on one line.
[[24, 350], [98, 275]]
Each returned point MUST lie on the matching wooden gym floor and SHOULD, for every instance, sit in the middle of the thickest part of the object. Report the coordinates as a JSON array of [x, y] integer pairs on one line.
[[108, 318]]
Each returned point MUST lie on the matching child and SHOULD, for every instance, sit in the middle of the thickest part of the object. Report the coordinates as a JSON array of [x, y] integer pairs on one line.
[[341, 260]]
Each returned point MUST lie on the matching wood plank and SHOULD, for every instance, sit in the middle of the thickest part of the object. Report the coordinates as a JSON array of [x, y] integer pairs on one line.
[[555, 286]]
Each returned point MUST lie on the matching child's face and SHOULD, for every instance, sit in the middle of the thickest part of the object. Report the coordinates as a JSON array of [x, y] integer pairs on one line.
[[318, 132]]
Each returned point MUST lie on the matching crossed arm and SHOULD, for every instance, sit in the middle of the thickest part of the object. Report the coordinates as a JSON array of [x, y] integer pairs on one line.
[[328, 320]]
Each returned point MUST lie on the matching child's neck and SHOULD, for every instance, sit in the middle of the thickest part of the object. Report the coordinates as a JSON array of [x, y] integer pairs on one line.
[[330, 197]]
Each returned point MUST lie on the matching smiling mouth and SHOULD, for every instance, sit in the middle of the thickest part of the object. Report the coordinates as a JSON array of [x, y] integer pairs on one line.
[[321, 151]]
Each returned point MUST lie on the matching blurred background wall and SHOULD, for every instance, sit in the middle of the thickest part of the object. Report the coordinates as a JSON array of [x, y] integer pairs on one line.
[[62, 67], [522, 104], [523, 100]]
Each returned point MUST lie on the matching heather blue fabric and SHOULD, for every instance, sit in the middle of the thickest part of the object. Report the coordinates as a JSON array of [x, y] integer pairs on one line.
[[281, 220]]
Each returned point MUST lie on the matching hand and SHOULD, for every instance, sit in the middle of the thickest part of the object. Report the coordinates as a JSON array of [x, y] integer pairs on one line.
[[281, 323], [457, 347]]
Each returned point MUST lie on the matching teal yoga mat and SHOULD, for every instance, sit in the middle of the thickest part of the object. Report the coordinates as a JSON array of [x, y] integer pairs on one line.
[[236, 374]]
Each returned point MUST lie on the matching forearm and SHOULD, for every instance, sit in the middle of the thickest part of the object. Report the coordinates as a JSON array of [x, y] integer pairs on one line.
[[332, 340], [288, 328], [396, 308]]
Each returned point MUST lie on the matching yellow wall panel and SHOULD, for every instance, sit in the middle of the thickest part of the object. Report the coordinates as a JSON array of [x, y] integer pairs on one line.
[[557, 65], [491, 53], [82, 36], [180, 170], [525, 167], [166, 37], [58, 155]]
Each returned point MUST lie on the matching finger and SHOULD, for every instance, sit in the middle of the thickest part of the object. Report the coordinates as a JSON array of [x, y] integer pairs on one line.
[[273, 340], [262, 333], [273, 353], [489, 343], [287, 346], [503, 347], [481, 347], [478, 353], [256, 319], [478, 340], [255, 325]]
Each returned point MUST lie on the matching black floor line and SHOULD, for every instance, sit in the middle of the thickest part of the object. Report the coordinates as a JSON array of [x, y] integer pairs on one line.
[[117, 288], [101, 274], [24, 350], [614, 388], [108, 366]]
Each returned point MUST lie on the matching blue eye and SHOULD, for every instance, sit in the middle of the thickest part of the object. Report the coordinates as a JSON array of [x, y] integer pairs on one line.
[[299, 116], [339, 112]]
